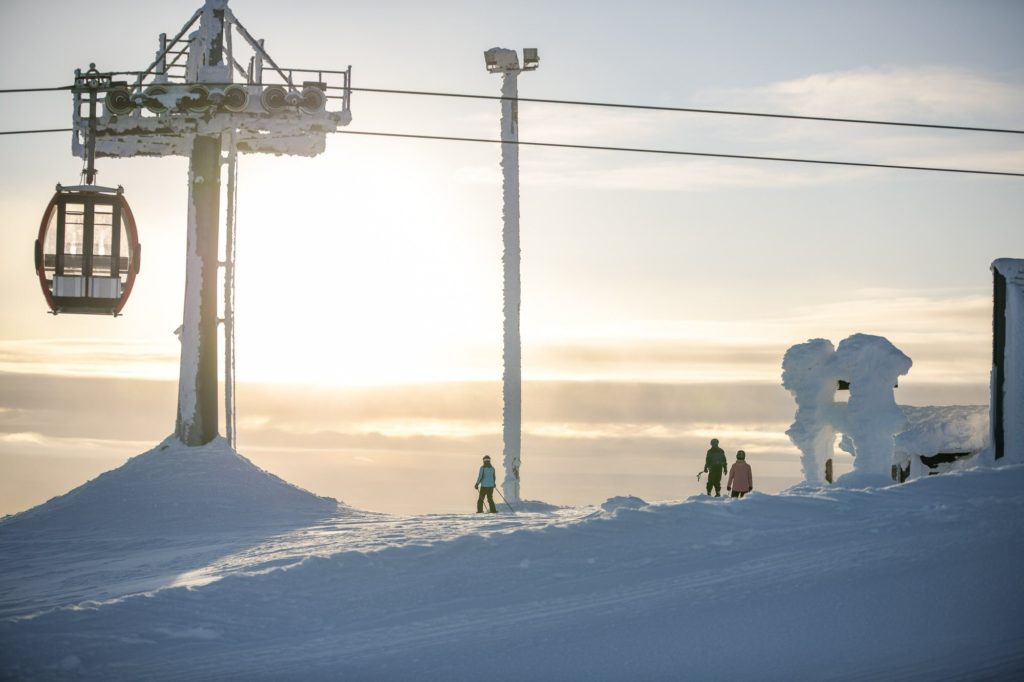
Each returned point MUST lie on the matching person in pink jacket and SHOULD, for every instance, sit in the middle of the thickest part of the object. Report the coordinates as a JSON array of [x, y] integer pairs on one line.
[[741, 478]]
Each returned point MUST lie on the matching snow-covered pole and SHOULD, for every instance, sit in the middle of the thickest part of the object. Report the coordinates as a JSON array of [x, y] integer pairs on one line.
[[506, 62], [197, 386]]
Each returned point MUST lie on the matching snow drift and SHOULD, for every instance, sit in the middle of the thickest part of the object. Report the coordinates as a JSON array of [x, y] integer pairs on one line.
[[174, 490]]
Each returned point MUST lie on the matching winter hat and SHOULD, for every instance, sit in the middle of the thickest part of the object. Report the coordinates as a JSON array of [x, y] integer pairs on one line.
[[487, 458], [741, 455]]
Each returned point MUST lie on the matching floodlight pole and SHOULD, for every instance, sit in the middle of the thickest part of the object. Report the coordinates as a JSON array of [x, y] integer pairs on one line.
[[197, 384], [506, 62]]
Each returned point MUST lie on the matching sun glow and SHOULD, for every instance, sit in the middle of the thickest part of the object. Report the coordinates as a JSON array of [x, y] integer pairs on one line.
[[339, 283]]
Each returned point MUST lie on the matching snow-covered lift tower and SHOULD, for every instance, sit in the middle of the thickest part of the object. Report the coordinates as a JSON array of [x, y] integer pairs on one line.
[[188, 103], [506, 62], [1007, 385]]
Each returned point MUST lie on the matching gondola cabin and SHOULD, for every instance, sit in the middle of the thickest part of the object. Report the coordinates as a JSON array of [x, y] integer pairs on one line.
[[87, 252]]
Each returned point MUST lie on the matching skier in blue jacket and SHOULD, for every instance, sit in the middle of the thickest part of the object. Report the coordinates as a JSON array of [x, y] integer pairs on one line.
[[485, 482]]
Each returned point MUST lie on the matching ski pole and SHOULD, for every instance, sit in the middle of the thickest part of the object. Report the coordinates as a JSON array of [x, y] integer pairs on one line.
[[698, 476], [503, 499]]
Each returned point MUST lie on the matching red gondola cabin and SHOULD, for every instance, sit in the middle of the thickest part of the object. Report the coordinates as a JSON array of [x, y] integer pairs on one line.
[[87, 252]]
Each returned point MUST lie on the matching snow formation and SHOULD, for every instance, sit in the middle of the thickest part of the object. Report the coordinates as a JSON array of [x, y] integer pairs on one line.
[[872, 365], [810, 375], [871, 419]]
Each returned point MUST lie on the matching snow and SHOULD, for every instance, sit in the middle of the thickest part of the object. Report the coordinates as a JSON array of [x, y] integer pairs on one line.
[[872, 365], [623, 502], [809, 374], [512, 390], [190, 563], [946, 428], [1013, 361], [190, 332], [870, 419], [175, 490]]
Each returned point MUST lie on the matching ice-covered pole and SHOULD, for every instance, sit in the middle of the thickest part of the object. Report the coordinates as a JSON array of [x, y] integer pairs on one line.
[[506, 62], [512, 377], [196, 422]]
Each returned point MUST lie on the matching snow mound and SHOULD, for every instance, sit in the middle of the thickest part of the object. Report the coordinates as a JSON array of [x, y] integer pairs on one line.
[[536, 506], [175, 489], [945, 428], [623, 502]]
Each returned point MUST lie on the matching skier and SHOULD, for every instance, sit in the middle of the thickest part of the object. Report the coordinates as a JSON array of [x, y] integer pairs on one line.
[[714, 466], [741, 478], [485, 482]]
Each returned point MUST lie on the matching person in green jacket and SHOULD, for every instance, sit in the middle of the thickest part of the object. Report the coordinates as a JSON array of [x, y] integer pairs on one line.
[[715, 465]]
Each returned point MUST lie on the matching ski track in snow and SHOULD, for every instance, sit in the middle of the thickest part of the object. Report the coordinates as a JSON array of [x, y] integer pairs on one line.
[[97, 569], [916, 582]]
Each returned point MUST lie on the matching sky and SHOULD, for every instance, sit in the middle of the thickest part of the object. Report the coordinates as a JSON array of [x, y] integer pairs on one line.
[[659, 293]]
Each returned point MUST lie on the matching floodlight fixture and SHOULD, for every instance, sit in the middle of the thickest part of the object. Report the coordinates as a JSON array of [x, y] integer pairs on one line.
[[531, 59], [500, 60]]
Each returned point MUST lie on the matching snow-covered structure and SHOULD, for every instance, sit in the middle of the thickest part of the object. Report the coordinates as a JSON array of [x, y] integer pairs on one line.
[[809, 374], [506, 62], [937, 438], [1007, 383], [203, 107], [870, 366]]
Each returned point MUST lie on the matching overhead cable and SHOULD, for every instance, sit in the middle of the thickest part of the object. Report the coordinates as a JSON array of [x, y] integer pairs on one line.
[[32, 132], [691, 110], [641, 150], [635, 150], [15, 90]]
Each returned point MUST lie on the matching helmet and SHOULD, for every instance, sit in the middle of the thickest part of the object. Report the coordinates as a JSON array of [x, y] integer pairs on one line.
[[741, 455], [714, 441]]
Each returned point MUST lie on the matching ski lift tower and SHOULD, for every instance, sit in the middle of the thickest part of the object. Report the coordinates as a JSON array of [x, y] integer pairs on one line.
[[506, 62], [201, 97]]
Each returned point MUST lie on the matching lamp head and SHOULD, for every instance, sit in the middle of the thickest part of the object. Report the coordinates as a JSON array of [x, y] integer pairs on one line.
[[531, 59], [500, 60]]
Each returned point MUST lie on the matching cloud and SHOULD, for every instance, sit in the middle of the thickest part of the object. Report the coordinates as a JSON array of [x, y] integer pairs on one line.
[[928, 94], [89, 357], [946, 333], [602, 437]]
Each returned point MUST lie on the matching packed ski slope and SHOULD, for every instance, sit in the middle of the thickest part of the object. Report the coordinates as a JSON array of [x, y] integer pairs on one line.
[[919, 581]]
